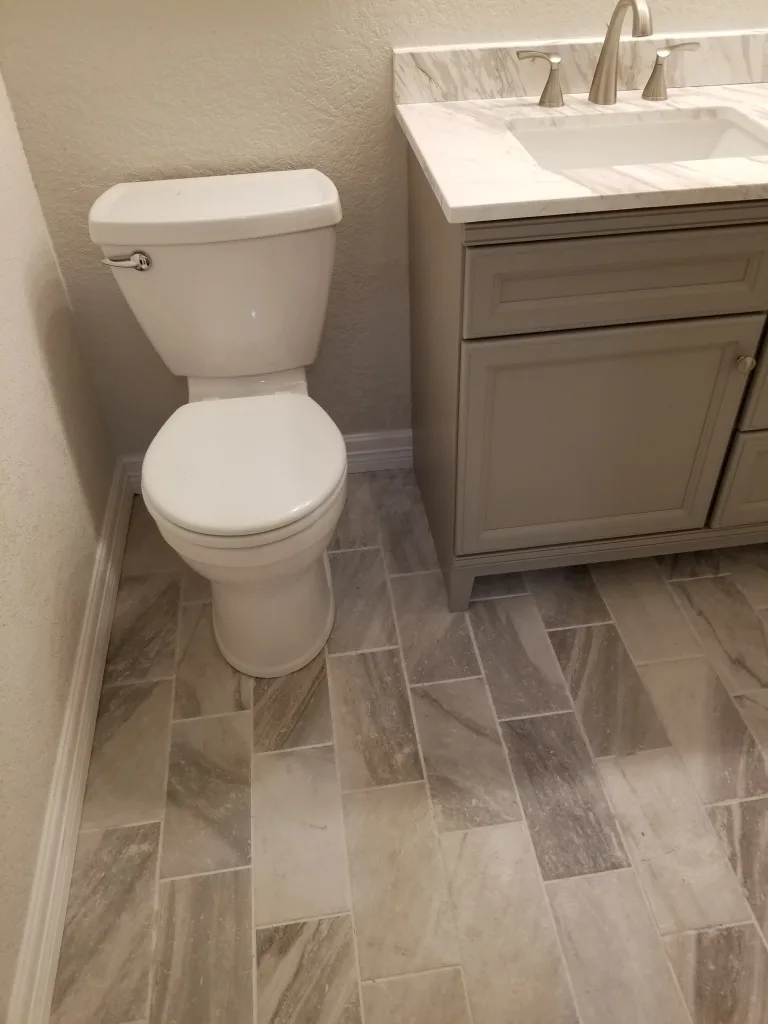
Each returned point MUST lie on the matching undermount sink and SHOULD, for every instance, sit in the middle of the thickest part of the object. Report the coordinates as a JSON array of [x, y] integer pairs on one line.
[[659, 136]]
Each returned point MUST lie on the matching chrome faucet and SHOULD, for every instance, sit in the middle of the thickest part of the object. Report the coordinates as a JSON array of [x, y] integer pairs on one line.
[[605, 82]]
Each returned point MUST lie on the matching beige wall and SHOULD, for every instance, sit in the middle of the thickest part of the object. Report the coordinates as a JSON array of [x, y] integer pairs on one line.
[[107, 90], [54, 471]]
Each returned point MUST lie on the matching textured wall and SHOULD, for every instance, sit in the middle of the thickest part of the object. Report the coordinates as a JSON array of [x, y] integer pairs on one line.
[[54, 472], [106, 91]]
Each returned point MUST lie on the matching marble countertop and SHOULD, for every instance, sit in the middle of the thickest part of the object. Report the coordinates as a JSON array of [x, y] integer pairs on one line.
[[479, 171]]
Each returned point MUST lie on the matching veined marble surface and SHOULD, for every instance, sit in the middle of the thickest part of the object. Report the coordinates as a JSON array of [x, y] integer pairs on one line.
[[427, 74], [479, 171]]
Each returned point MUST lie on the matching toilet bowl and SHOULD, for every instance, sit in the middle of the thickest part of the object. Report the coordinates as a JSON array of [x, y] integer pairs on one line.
[[229, 277]]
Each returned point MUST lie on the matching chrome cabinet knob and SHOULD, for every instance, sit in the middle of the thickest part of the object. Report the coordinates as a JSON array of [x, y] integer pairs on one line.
[[552, 96], [656, 87], [745, 364]]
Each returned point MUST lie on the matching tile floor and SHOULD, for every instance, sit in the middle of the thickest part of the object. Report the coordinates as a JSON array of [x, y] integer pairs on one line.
[[550, 810]]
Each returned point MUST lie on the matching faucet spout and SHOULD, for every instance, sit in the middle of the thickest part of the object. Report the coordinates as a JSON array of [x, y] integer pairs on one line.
[[605, 83]]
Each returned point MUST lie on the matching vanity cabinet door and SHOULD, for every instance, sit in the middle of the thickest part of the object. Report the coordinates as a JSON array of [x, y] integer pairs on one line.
[[596, 434], [743, 495]]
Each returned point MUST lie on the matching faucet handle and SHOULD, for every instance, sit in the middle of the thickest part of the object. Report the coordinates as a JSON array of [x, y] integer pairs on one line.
[[552, 95], [656, 86]]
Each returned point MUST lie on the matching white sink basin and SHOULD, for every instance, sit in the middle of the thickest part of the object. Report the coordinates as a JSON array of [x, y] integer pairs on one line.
[[606, 139]]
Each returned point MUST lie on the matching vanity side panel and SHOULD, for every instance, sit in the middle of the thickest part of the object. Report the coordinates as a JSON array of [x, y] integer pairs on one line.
[[436, 284]]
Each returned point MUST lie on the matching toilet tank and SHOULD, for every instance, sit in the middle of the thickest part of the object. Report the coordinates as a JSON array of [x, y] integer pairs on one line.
[[240, 266]]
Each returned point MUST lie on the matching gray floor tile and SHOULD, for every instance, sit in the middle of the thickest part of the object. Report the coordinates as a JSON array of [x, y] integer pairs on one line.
[[402, 911], [203, 971], [614, 953], [749, 568], [306, 973], [512, 965], [129, 758], [299, 860], [358, 526], [142, 645], [523, 674], [292, 710], [364, 617], [648, 618], [730, 631], [206, 684], [145, 549], [467, 770], [567, 597], [720, 754], [723, 974], [207, 818], [436, 642], [408, 545], [611, 701], [678, 857], [743, 831], [103, 972], [375, 737], [691, 565], [417, 999], [754, 710], [558, 783], [501, 585]]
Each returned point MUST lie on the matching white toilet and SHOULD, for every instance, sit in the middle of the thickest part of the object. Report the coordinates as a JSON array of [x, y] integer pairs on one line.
[[229, 277]]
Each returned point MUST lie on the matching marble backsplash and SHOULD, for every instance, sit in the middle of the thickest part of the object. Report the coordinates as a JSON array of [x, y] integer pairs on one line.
[[435, 73]]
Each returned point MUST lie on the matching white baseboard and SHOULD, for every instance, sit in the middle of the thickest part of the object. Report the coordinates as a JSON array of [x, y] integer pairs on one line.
[[383, 449], [36, 967]]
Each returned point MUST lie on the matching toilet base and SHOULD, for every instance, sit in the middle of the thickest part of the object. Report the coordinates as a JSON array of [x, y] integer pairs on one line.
[[278, 627]]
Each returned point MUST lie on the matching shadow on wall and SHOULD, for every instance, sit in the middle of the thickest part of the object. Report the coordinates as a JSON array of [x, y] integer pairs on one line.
[[71, 389]]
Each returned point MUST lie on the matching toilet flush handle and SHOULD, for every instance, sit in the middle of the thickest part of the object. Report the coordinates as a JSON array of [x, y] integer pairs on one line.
[[136, 261]]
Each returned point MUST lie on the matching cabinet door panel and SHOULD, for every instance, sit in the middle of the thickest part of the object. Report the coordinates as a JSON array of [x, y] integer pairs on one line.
[[596, 434], [743, 496]]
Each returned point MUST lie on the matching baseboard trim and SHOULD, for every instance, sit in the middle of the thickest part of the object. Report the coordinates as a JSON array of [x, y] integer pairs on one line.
[[36, 966], [383, 449]]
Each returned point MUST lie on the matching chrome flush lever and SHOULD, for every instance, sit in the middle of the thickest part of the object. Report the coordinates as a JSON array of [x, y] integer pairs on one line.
[[136, 261], [552, 96], [656, 88]]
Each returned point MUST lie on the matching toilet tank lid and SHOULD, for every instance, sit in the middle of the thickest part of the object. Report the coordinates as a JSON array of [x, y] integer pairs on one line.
[[221, 208]]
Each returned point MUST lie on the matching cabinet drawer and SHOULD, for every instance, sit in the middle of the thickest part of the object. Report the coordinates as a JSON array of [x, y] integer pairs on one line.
[[665, 275], [754, 416], [743, 497], [587, 435]]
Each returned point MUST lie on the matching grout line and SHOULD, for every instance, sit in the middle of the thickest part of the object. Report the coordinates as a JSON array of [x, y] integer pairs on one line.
[[414, 572], [205, 874], [445, 682], [498, 597], [736, 800], [205, 718], [538, 714], [365, 650], [360, 547], [580, 625], [112, 828], [690, 579], [138, 682], [303, 920], [290, 750], [386, 785], [708, 927]]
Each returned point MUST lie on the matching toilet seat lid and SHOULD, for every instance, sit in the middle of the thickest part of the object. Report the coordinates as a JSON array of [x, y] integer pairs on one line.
[[239, 466]]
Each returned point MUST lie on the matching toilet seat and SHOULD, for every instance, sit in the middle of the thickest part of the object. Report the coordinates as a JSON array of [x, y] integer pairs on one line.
[[235, 468]]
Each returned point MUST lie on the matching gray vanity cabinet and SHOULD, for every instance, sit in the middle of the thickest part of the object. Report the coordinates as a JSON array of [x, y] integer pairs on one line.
[[588, 387], [604, 433]]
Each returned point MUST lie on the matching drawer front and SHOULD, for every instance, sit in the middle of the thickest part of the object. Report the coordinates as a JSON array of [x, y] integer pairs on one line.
[[587, 435], [667, 275], [743, 497], [754, 416]]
